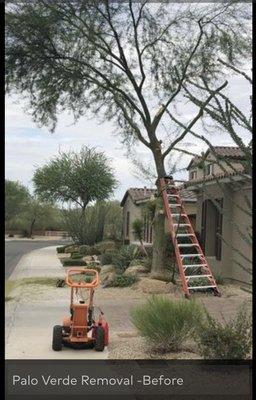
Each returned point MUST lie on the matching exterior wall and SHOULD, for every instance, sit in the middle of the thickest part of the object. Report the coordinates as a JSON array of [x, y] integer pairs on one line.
[[135, 212], [232, 216], [242, 250], [217, 167]]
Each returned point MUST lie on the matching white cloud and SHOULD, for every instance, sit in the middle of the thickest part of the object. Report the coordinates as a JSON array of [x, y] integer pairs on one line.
[[28, 146]]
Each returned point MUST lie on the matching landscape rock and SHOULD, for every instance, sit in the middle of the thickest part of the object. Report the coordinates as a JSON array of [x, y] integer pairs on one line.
[[107, 274], [88, 259]]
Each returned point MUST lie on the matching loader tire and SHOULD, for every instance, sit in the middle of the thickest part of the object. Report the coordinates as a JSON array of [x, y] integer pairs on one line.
[[99, 339], [57, 338]]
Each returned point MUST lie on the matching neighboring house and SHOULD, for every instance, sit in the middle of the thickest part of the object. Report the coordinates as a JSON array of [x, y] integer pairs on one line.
[[224, 212], [133, 204]]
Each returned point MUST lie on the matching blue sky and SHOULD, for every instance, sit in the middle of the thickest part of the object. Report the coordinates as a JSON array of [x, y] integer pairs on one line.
[[28, 146]]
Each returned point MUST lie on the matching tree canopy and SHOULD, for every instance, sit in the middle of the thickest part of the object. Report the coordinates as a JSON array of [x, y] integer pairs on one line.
[[17, 197], [24, 212], [130, 61], [73, 177]]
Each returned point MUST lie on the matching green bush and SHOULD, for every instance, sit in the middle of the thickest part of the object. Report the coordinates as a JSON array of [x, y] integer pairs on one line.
[[76, 255], [84, 249], [93, 265], [136, 261], [71, 248], [124, 256], [123, 281], [219, 278], [73, 262], [230, 339], [61, 249], [104, 246], [165, 323], [107, 257]]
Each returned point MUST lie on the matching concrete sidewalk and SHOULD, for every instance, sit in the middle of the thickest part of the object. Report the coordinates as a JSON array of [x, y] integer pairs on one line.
[[29, 323]]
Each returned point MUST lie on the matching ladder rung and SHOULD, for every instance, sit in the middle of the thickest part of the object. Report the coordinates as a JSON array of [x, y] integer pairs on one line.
[[174, 205], [177, 215], [184, 234], [173, 195], [195, 265], [198, 276], [201, 287], [191, 255], [181, 224], [187, 245]]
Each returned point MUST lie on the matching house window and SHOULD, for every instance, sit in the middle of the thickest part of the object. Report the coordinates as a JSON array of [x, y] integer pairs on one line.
[[127, 223], [209, 169], [193, 174]]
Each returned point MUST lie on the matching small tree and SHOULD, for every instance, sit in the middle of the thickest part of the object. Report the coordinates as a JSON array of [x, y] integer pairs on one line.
[[87, 228], [77, 178], [38, 214], [114, 221], [16, 199], [138, 230]]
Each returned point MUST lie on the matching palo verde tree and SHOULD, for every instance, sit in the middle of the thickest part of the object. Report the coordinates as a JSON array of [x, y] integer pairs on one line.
[[129, 62], [77, 178]]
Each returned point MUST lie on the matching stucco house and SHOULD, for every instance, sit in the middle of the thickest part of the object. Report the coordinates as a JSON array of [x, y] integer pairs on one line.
[[133, 204], [217, 198], [223, 188]]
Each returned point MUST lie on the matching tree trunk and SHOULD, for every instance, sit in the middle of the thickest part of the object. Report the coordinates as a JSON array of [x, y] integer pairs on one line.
[[159, 264], [143, 248], [31, 228]]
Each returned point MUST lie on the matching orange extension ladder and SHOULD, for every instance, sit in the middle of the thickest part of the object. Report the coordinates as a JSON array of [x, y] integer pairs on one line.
[[193, 266]]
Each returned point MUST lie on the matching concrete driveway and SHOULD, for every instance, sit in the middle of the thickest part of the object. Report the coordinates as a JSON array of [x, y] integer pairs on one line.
[[15, 249], [30, 317]]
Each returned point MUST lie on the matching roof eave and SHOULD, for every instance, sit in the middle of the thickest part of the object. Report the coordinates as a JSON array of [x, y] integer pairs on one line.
[[224, 179]]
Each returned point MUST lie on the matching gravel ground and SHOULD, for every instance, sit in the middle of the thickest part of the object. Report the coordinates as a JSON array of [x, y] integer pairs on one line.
[[117, 302]]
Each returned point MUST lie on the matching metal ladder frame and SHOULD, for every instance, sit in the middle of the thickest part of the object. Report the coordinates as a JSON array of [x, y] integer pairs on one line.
[[179, 259]]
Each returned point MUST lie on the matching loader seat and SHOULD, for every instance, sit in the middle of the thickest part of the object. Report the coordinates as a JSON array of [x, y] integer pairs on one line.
[[80, 315]]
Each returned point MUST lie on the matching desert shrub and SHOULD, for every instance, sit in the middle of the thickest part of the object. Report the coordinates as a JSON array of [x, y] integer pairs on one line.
[[107, 257], [219, 278], [93, 265], [123, 281], [71, 248], [84, 249], [136, 261], [124, 256], [165, 323], [71, 262], [87, 227], [61, 249], [76, 255], [230, 339], [102, 247]]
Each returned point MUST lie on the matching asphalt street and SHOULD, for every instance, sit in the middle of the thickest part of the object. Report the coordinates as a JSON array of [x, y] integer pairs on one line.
[[15, 249]]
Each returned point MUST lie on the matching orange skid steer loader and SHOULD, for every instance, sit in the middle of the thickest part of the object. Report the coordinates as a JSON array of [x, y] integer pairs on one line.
[[81, 329]]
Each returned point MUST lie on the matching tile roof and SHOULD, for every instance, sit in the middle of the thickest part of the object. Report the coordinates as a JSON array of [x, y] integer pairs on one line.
[[239, 172], [143, 194], [222, 151], [229, 151]]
